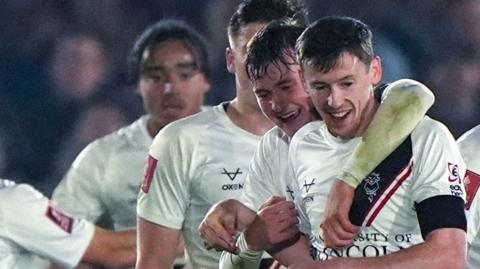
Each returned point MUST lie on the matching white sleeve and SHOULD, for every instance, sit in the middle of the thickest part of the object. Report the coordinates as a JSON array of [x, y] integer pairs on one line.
[[36, 224], [260, 184], [469, 145], [164, 196], [472, 183], [438, 166], [79, 192]]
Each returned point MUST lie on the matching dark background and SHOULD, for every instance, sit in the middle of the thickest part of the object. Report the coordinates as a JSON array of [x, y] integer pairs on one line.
[[63, 79]]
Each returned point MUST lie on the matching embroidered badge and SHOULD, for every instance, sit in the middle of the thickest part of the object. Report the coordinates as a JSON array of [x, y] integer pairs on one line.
[[371, 185]]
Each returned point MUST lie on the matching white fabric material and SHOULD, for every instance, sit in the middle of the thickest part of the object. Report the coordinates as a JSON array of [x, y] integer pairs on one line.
[[202, 159], [469, 145], [316, 156], [28, 236], [269, 174], [106, 177]]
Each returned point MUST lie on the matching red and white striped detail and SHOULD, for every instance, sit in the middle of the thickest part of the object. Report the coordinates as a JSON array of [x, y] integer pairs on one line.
[[387, 194], [276, 265]]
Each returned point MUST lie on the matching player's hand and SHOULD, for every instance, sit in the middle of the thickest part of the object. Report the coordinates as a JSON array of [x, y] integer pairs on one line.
[[276, 222], [338, 231], [220, 226]]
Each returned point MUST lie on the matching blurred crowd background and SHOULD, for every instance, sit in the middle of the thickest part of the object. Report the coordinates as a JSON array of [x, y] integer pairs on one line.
[[64, 79]]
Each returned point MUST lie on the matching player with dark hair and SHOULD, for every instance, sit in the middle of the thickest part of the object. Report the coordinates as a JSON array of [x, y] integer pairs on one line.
[[204, 159], [170, 69], [275, 74], [411, 206]]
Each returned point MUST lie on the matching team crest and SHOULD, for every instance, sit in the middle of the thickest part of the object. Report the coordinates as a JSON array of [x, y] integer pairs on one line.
[[371, 185]]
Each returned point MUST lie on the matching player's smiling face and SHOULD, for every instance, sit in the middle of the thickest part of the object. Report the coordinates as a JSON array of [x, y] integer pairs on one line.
[[283, 99], [343, 96]]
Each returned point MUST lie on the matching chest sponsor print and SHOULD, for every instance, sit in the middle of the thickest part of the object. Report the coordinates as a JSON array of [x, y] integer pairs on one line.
[[232, 175]]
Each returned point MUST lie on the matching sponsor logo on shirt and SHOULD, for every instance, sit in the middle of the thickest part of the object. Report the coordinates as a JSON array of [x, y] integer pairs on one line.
[[366, 244], [307, 186], [456, 180], [148, 175], [453, 174], [472, 183], [61, 219], [232, 175]]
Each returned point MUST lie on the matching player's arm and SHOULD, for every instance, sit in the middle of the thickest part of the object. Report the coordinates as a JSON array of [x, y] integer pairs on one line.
[[274, 228], [442, 249], [163, 199], [153, 245], [403, 106], [60, 237], [298, 252], [111, 249], [223, 221]]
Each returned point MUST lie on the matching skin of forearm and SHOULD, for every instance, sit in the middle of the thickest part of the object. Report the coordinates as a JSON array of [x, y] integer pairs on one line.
[[154, 249], [406, 104], [244, 215], [298, 252], [125, 248], [112, 249]]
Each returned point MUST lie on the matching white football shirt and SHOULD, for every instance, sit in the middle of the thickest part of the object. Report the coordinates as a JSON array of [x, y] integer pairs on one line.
[[106, 176], [33, 228], [266, 175], [201, 159], [427, 164], [469, 144]]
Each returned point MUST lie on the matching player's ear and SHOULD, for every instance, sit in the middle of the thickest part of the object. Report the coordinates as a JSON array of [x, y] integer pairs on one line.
[[229, 57], [376, 70]]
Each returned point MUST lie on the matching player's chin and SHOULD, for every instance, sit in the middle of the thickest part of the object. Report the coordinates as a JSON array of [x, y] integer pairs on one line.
[[173, 115]]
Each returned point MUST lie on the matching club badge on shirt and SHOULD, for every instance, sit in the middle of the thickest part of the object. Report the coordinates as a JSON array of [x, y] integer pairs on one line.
[[151, 165], [58, 217]]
